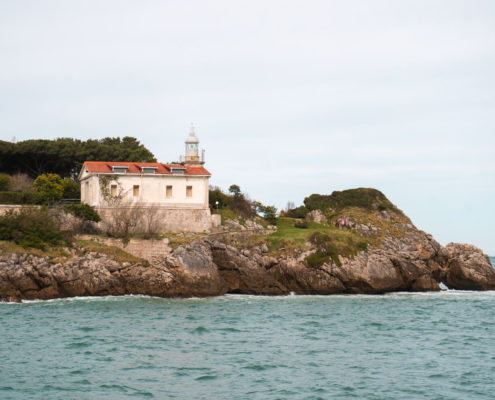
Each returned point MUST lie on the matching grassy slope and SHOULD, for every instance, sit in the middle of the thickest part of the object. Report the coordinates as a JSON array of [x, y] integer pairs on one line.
[[289, 240], [57, 254]]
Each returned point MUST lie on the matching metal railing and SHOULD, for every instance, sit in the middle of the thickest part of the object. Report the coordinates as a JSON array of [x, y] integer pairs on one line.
[[70, 201]]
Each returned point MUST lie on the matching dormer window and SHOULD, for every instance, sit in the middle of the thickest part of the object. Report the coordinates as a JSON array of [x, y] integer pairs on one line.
[[148, 170], [120, 169], [178, 170]]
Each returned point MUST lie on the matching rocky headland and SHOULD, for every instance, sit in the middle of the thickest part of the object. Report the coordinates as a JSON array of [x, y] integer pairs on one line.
[[378, 251]]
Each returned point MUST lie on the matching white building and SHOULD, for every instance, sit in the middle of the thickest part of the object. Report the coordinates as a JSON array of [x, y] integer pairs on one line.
[[178, 191]]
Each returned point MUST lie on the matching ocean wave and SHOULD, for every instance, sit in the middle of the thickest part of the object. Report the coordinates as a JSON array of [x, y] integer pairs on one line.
[[447, 293]]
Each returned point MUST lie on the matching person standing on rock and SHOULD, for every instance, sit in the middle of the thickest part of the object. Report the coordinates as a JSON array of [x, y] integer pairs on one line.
[[342, 223]]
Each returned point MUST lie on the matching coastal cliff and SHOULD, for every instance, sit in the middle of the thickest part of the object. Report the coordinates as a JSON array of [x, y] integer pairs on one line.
[[379, 251]]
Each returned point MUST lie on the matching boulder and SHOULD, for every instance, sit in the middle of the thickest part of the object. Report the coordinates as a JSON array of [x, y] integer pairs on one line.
[[316, 216], [468, 268]]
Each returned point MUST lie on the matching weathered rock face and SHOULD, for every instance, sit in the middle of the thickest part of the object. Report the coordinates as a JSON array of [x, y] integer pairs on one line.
[[415, 262], [316, 216], [244, 271], [468, 268], [189, 273]]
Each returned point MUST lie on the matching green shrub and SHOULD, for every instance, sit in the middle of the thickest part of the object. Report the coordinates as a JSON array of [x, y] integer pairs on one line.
[[215, 195], [383, 206], [301, 224], [298, 212], [236, 201], [83, 211], [32, 227], [269, 213], [362, 246], [72, 189], [325, 252], [49, 188], [21, 198], [362, 197], [4, 182], [317, 259]]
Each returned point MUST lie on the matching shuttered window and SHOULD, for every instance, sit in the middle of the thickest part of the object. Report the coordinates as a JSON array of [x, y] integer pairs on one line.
[[188, 191], [169, 191], [135, 190], [113, 190]]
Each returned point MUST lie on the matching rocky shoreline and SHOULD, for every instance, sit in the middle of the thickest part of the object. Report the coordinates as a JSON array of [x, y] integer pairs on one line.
[[208, 267], [379, 251]]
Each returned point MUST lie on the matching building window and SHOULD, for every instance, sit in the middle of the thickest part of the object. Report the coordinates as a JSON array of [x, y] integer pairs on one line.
[[113, 190], [120, 169], [169, 191], [188, 191], [135, 190]]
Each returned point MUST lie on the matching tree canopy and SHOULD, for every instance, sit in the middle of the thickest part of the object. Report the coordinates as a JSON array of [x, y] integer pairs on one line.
[[65, 156]]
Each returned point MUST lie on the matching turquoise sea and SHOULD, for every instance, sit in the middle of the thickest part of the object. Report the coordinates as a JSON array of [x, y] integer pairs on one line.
[[395, 346]]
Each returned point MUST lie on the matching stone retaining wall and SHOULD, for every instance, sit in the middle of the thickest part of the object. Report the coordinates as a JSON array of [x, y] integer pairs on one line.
[[168, 219], [142, 248], [8, 207]]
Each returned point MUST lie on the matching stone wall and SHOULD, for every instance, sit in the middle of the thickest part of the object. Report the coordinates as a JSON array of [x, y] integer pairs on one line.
[[147, 249], [7, 207], [167, 219], [216, 221]]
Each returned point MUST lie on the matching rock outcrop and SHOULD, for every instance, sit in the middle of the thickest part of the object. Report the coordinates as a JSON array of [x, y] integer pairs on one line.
[[468, 268], [210, 267], [396, 257]]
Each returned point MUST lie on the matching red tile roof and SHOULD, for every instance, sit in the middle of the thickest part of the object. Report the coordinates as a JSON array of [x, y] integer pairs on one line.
[[102, 167]]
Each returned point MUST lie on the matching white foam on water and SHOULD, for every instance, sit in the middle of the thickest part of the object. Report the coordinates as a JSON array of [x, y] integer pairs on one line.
[[445, 292]]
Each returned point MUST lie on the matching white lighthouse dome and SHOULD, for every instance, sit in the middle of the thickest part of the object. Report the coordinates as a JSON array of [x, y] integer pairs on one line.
[[192, 136]]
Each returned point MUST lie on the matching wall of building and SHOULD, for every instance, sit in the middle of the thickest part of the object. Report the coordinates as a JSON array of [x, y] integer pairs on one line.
[[152, 190]]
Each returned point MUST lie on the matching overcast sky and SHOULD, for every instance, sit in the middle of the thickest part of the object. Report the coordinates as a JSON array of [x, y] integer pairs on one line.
[[288, 98]]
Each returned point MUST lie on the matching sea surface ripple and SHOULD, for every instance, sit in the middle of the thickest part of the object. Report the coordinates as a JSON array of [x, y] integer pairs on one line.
[[395, 346]]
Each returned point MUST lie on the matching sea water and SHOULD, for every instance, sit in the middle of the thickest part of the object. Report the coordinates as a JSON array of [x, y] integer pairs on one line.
[[438, 345]]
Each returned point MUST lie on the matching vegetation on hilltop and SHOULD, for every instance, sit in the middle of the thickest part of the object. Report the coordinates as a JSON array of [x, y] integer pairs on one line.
[[369, 215], [65, 156], [237, 205], [366, 198]]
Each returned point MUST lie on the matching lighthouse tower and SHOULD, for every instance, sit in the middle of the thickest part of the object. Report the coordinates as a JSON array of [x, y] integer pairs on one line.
[[192, 151]]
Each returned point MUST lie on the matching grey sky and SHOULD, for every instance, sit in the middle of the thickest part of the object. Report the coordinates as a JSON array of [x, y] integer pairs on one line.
[[289, 97]]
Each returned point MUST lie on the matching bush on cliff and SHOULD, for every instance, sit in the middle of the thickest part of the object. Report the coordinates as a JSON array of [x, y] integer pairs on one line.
[[367, 198], [329, 246], [32, 227], [325, 250], [235, 201], [298, 212], [269, 213], [82, 211], [301, 224]]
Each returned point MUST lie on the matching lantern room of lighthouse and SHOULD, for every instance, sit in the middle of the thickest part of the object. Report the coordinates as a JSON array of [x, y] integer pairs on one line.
[[192, 149]]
